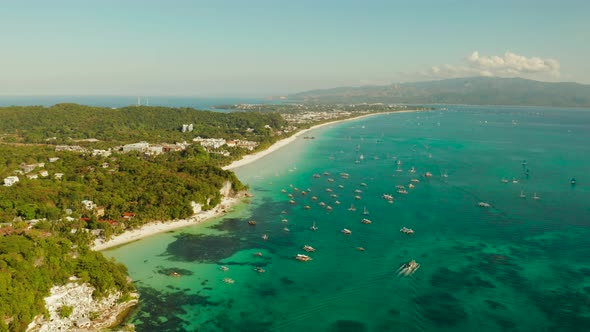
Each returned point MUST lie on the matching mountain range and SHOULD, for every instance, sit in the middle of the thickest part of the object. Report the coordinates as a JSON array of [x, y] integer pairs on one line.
[[470, 90]]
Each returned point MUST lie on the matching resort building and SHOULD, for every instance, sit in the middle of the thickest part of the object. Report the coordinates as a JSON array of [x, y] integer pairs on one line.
[[9, 181], [141, 147]]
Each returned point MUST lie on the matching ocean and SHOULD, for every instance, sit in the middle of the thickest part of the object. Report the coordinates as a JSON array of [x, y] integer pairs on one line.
[[520, 264]]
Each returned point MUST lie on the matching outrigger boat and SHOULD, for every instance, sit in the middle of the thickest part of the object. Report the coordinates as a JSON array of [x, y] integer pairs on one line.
[[303, 258], [308, 248], [408, 268], [406, 230]]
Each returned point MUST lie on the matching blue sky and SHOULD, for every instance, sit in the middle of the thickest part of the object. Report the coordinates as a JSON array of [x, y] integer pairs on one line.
[[259, 48]]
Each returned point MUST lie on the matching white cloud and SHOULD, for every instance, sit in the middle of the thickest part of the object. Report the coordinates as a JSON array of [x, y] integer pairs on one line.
[[508, 65]]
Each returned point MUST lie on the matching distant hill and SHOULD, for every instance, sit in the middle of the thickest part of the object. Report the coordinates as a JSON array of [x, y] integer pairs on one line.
[[471, 90]]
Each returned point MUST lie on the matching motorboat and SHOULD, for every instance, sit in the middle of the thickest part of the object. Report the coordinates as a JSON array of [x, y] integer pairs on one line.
[[283, 191], [264, 237], [303, 258], [283, 212], [514, 180], [326, 174], [257, 254], [415, 180], [316, 176], [366, 221], [411, 186], [329, 208], [346, 231], [314, 198], [286, 229], [360, 248], [341, 186], [308, 248], [428, 175], [259, 270], [358, 191], [252, 223], [291, 202], [363, 184], [504, 180], [330, 180], [413, 170], [328, 190], [483, 204], [522, 195], [351, 208], [337, 202], [402, 191], [314, 227], [357, 197], [224, 268], [228, 280], [307, 207], [322, 204], [535, 196], [573, 181], [387, 197]]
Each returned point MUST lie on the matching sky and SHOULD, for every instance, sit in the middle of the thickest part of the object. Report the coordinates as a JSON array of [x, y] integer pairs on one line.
[[260, 48]]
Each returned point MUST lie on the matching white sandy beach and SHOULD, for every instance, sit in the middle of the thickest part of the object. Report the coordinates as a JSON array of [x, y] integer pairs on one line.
[[247, 159], [157, 227]]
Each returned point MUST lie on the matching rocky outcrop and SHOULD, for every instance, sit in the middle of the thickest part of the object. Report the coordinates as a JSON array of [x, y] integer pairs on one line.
[[87, 313]]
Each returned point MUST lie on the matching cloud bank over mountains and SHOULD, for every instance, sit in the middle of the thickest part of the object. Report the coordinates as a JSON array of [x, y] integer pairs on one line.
[[508, 65]]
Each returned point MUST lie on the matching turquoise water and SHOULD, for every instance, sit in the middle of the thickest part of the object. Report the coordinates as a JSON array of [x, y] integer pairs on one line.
[[521, 264]]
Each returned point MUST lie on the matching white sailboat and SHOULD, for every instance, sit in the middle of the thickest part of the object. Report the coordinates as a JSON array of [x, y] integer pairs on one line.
[[365, 211], [314, 227]]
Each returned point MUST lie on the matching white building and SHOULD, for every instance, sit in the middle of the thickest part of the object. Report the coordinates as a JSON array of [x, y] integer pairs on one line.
[[44, 174], [89, 205], [102, 153], [187, 128], [58, 176], [214, 143], [9, 181], [53, 159], [141, 147]]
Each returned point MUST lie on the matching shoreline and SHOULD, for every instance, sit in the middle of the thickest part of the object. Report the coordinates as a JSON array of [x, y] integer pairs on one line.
[[157, 227], [250, 158]]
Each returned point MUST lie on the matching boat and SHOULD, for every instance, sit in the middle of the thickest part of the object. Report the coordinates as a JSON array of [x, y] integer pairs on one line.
[[296, 189], [291, 202], [413, 170], [283, 191], [522, 195], [360, 248], [406, 230], [307, 207], [428, 175], [504, 180], [322, 204], [366, 221], [415, 180], [284, 221], [402, 191], [358, 191], [334, 196], [303, 193], [351, 208], [224, 268], [257, 254], [228, 280], [174, 274], [314, 198], [252, 223], [340, 186], [365, 211], [411, 186], [264, 237], [362, 157], [315, 176], [326, 174], [535, 196], [303, 258], [290, 196], [514, 180], [314, 227], [259, 270], [328, 190], [283, 212], [573, 181], [408, 268], [357, 197], [329, 208], [308, 248], [363, 184], [346, 231], [387, 197], [330, 180], [286, 229], [483, 204]]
